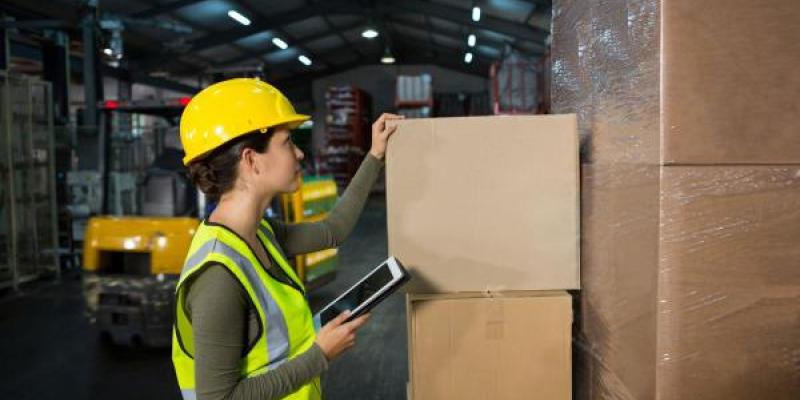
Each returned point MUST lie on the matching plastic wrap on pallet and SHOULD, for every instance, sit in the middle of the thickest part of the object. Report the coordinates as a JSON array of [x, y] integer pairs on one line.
[[689, 261], [690, 284], [28, 220], [606, 69], [515, 85], [414, 88], [655, 82]]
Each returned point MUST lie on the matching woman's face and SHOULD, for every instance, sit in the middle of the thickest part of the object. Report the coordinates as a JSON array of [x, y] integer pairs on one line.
[[281, 162]]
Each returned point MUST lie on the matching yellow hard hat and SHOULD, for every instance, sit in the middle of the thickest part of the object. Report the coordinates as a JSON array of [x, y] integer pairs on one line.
[[232, 108]]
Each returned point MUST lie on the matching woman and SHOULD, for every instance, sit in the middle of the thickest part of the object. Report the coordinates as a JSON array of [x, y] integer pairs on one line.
[[243, 326]]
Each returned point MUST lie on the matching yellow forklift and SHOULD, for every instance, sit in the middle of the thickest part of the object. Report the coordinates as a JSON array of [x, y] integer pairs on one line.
[[131, 263]]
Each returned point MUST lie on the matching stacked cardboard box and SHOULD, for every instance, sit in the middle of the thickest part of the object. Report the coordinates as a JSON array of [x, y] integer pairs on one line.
[[691, 195], [483, 212]]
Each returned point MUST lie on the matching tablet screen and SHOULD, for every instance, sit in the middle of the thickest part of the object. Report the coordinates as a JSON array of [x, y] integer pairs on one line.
[[358, 294]]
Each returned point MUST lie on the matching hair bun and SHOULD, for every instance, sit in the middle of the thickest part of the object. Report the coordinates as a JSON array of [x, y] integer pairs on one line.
[[205, 179]]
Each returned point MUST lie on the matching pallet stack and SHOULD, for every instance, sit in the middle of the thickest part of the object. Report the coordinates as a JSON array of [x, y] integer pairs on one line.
[[691, 194], [414, 97]]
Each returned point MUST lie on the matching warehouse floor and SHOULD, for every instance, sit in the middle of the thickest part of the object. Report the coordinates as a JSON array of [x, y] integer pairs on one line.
[[52, 352]]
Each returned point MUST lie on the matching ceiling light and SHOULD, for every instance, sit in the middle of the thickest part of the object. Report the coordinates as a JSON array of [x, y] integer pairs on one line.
[[369, 33], [471, 40], [108, 51], [468, 58], [387, 58], [239, 17], [305, 60], [280, 43], [476, 14]]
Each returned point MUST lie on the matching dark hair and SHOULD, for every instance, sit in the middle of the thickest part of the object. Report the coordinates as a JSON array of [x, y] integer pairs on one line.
[[215, 173]]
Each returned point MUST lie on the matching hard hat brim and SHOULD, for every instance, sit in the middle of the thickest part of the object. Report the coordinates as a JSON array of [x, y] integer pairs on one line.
[[296, 120]]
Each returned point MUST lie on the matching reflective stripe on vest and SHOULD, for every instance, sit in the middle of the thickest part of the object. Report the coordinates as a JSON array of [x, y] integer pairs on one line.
[[287, 329], [278, 338], [189, 394]]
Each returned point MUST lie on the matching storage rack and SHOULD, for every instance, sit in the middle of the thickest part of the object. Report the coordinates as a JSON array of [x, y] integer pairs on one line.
[[347, 133]]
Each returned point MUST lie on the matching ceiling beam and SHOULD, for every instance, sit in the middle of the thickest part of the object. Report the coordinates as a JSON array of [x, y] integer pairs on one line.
[[464, 17], [258, 17], [409, 50], [412, 41], [165, 8], [259, 25], [190, 24], [452, 57], [409, 42], [338, 32], [273, 22], [462, 39], [457, 34], [272, 49]]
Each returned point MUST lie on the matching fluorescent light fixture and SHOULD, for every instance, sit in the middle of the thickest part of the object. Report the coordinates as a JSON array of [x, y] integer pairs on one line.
[[239, 17], [280, 43], [369, 33], [305, 60], [476, 14], [471, 40], [387, 58], [468, 58]]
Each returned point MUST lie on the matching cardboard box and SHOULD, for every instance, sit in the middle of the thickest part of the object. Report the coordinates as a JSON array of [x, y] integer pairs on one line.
[[731, 81], [464, 346], [664, 82], [615, 341], [485, 203], [691, 286], [729, 283]]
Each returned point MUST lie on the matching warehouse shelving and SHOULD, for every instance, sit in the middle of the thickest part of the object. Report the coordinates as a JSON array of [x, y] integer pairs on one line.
[[347, 133]]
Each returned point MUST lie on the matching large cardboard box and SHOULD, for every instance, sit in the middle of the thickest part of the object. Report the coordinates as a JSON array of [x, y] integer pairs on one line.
[[465, 346], [485, 203], [729, 283], [675, 82], [691, 283]]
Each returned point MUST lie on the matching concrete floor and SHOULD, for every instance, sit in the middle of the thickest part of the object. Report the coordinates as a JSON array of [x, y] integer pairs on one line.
[[50, 351]]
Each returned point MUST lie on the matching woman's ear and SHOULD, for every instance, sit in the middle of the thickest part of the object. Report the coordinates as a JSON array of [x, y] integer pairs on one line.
[[249, 160]]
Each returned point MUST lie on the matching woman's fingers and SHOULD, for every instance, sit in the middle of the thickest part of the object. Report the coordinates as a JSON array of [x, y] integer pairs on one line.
[[338, 320], [358, 322], [390, 130], [381, 121]]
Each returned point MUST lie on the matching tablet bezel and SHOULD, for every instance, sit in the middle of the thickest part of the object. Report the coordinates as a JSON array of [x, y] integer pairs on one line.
[[398, 274]]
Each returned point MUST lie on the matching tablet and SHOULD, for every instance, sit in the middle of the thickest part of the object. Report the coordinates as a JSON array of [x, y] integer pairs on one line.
[[367, 293]]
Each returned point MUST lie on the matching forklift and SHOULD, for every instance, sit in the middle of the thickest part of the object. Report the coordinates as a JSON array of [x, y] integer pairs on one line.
[[133, 256]]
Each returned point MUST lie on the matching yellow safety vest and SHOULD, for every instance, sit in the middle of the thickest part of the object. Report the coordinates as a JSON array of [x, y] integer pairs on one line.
[[287, 327]]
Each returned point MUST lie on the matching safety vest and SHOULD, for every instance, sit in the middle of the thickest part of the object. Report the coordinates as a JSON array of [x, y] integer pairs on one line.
[[286, 325]]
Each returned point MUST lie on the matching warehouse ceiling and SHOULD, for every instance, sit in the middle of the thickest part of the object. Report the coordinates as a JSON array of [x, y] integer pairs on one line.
[[174, 39]]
